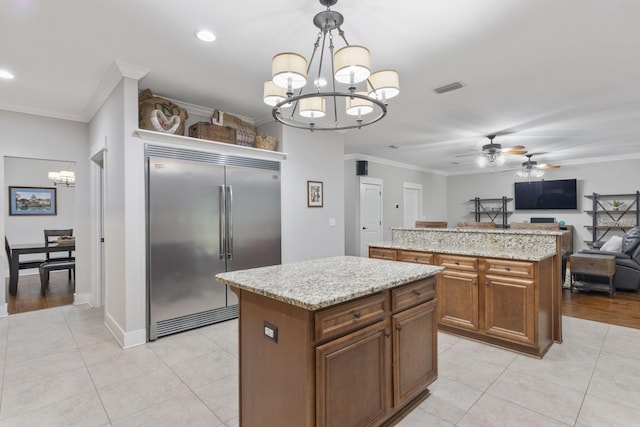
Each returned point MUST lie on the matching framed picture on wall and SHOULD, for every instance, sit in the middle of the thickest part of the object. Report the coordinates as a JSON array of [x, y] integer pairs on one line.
[[314, 194], [32, 201]]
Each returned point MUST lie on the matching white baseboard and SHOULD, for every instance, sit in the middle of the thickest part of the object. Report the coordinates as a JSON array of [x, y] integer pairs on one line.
[[85, 298], [4, 310], [125, 339]]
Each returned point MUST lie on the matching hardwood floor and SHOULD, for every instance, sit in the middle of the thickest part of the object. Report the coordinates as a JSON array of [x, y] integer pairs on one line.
[[60, 292], [623, 310]]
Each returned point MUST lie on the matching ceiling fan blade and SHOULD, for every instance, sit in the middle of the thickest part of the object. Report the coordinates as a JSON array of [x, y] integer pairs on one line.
[[513, 153], [514, 148], [548, 167]]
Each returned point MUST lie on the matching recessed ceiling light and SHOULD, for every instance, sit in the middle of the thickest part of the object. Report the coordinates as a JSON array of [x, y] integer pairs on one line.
[[205, 36], [4, 74]]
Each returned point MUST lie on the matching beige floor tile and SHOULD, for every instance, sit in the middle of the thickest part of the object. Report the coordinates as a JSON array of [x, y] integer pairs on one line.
[[127, 365], [469, 352], [491, 411], [420, 418], [183, 346], [224, 334], [85, 337], [183, 410], [450, 400], [622, 345], [479, 375], [82, 410], [19, 371], [105, 350], [139, 393], [615, 364], [446, 341], [205, 369], [598, 412], [35, 394], [538, 395], [617, 387], [222, 397], [583, 333]]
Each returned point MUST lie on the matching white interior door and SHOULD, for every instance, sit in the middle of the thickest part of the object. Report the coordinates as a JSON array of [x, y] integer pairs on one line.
[[370, 213], [412, 196]]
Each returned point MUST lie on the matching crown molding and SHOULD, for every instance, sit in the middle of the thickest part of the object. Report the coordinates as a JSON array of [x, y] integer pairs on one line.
[[358, 156], [42, 113], [116, 72]]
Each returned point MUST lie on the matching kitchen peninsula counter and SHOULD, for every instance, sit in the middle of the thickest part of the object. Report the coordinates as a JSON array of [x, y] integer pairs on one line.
[[314, 334], [502, 287]]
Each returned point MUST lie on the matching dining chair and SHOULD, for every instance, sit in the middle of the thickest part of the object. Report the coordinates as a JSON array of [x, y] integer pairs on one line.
[[51, 236]]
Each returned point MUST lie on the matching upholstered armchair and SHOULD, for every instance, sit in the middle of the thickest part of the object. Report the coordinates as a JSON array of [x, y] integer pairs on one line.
[[627, 275]]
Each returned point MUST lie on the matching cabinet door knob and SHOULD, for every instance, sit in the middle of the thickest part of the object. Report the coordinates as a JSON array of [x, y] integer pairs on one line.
[[356, 314], [486, 283], [398, 328], [456, 263], [507, 268], [417, 292], [387, 335], [473, 282]]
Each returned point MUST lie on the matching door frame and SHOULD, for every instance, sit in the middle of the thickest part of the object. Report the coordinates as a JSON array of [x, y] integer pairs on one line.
[[411, 186], [371, 181], [98, 166]]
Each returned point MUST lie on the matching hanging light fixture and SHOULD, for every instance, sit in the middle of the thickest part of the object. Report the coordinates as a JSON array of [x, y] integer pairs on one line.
[[355, 97], [67, 178], [533, 169]]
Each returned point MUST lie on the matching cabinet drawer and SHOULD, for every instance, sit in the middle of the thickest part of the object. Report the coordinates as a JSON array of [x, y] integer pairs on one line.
[[462, 263], [382, 253], [510, 268], [343, 318], [415, 256], [412, 294]]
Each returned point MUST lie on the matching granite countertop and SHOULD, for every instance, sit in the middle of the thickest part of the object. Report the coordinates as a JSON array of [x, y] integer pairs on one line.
[[321, 283], [520, 254]]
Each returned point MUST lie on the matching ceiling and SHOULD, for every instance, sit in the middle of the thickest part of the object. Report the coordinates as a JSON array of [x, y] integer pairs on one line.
[[559, 77]]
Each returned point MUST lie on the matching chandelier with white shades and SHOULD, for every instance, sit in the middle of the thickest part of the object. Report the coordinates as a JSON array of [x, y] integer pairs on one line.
[[343, 94]]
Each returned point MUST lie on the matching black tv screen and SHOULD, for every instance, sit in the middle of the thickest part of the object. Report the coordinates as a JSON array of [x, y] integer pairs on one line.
[[541, 195]]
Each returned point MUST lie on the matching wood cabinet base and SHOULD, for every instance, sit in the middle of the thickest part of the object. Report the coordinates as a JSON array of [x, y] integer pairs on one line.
[[366, 362]]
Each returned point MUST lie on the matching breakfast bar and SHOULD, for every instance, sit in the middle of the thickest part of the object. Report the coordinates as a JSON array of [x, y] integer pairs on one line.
[[335, 341]]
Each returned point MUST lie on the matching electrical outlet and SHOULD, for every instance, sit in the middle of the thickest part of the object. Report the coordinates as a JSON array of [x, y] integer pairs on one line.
[[271, 332]]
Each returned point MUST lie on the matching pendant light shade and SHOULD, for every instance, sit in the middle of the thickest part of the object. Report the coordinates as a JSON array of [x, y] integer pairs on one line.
[[313, 107], [358, 106], [274, 94], [352, 64], [289, 70], [384, 84]]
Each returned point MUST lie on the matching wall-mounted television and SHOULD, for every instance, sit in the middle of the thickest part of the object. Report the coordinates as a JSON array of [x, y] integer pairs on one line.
[[546, 195]]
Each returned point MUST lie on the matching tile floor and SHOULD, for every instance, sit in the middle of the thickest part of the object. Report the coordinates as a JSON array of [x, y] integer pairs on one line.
[[61, 367]]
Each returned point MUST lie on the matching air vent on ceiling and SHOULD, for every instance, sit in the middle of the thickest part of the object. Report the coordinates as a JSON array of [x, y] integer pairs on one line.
[[448, 88]]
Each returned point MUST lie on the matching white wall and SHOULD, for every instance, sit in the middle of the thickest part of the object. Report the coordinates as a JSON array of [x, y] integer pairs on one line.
[[306, 232], [605, 178], [434, 197], [23, 172], [28, 136]]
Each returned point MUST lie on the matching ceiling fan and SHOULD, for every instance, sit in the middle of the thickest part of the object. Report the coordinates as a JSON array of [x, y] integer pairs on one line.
[[531, 168], [493, 154]]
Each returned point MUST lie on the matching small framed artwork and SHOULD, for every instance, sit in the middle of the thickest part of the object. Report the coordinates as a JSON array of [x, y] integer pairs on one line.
[[32, 201], [314, 194]]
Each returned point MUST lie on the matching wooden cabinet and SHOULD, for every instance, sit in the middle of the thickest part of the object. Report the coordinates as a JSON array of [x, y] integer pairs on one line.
[[353, 378], [415, 351], [415, 256], [382, 253], [505, 302], [365, 362]]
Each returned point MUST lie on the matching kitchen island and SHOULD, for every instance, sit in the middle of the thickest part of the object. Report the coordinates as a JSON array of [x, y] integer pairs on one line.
[[339, 341]]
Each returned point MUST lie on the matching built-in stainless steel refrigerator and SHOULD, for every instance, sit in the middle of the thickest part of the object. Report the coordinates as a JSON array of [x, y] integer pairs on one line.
[[206, 213]]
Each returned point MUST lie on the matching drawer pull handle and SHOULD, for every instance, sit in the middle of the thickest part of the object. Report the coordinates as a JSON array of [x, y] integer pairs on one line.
[[507, 268], [486, 283], [474, 283], [356, 314], [417, 292], [387, 335], [456, 262], [415, 258], [398, 328]]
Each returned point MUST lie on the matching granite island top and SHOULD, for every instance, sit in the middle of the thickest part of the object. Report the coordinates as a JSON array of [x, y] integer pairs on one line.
[[526, 245], [324, 282]]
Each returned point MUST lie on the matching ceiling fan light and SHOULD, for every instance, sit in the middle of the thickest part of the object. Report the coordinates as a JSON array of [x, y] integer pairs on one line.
[[383, 84], [482, 161], [358, 106], [500, 160], [289, 70], [351, 64], [313, 107]]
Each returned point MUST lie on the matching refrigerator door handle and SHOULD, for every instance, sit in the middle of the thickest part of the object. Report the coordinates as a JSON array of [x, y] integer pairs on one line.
[[222, 221], [230, 221]]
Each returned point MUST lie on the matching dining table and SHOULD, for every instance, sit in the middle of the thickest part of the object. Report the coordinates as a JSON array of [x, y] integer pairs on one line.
[[31, 248]]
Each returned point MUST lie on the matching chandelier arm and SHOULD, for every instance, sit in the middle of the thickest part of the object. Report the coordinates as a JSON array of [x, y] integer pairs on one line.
[[333, 80]]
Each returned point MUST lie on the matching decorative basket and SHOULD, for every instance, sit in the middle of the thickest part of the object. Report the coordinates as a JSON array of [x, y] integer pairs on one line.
[[266, 142]]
